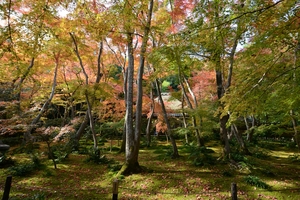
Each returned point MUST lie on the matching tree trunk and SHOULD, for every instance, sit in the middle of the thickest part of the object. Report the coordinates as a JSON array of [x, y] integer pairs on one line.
[[250, 130], [296, 134], [125, 74], [18, 86], [133, 138], [89, 103], [197, 131], [131, 159], [169, 131], [224, 136], [184, 121], [27, 134], [149, 123], [240, 139]]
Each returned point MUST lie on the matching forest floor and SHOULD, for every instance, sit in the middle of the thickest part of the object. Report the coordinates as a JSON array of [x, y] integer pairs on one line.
[[275, 175]]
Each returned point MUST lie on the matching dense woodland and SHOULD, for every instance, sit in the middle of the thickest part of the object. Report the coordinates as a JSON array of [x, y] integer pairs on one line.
[[186, 73]]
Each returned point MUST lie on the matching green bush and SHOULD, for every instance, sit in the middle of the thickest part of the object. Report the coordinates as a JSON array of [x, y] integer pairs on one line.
[[294, 158], [201, 155], [22, 169], [25, 169], [260, 154], [95, 157], [114, 167], [255, 181], [59, 152], [239, 157]]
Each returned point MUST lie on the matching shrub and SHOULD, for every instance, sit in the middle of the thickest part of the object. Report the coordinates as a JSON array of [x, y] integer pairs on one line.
[[22, 169], [95, 157], [238, 157], [294, 158], [255, 181], [114, 167], [260, 154], [227, 174], [25, 169], [201, 156]]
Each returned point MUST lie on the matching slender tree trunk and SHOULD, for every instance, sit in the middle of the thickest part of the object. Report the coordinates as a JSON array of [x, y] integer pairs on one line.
[[169, 131], [296, 134], [89, 103], [240, 139], [292, 114], [149, 123], [250, 130], [198, 130], [125, 74], [124, 71], [18, 86], [194, 121], [184, 121], [27, 134]]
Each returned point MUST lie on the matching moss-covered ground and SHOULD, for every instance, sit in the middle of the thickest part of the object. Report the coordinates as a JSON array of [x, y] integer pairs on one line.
[[277, 168]]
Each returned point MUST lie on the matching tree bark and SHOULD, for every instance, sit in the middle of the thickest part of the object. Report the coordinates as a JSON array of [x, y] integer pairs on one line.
[[169, 131], [184, 121], [149, 122], [240, 139], [131, 159], [296, 134], [133, 138], [27, 134], [89, 103]]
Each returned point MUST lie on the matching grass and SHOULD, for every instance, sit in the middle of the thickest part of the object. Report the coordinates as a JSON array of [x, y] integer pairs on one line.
[[166, 178]]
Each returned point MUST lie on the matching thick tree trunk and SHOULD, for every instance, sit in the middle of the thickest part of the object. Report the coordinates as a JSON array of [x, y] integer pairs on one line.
[[133, 138], [131, 159]]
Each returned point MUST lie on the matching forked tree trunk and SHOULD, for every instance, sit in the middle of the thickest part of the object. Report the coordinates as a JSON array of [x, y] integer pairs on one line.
[[133, 137], [131, 164]]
